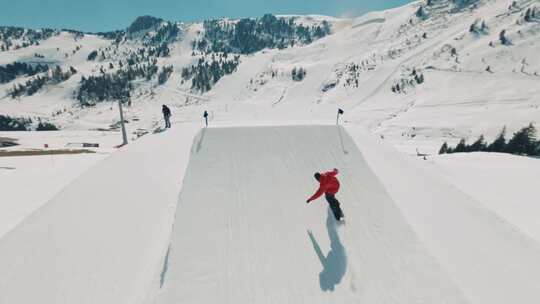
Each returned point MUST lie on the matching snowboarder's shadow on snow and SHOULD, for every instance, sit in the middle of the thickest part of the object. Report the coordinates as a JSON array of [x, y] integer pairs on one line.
[[159, 130], [335, 262]]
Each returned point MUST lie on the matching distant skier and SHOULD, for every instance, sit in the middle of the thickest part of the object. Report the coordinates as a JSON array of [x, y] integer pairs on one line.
[[205, 115], [166, 115], [329, 185]]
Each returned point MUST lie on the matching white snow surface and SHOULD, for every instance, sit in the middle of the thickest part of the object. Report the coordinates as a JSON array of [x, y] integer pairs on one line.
[[491, 260], [30, 182], [506, 184], [242, 232], [218, 215], [99, 240]]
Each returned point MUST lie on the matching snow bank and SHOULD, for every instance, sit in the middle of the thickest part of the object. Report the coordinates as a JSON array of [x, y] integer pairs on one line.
[[27, 183], [244, 233], [508, 185], [101, 239], [490, 260]]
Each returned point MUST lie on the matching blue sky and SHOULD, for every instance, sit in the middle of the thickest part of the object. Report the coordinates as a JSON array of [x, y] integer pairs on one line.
[[104, 15]]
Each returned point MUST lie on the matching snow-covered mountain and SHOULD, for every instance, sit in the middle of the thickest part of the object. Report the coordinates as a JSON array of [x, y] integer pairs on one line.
[[417, 75]]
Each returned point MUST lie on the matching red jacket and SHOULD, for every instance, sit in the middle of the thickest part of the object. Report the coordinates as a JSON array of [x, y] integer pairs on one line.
[[329, 184]]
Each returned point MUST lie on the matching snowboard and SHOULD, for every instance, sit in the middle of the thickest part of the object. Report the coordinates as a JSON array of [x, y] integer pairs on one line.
[[338, 215]]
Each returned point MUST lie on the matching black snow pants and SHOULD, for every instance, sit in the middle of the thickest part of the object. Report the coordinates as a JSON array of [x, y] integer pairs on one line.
[[334, 205]]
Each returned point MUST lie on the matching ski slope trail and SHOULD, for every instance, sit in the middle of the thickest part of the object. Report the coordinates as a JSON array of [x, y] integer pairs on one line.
[[244, 234]]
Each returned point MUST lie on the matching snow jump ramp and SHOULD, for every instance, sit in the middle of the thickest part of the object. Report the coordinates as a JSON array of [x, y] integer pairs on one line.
[[243, 232]]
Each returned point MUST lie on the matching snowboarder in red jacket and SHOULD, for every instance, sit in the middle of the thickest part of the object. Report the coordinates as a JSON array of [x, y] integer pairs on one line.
[[329, 185]]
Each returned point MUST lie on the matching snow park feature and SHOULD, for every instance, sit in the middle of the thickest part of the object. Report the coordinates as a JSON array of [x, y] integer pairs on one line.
[[213, 215], [101, 238], [243, 233], [435, 139]]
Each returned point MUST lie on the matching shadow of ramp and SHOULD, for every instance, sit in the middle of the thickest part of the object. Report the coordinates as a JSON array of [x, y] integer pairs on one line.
[[165, 268], [201, 140], [335, 262], [340, 134]]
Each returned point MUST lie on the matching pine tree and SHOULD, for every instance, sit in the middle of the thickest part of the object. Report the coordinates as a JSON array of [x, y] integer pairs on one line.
[[527, 17], [502, 37], [484, 27], [523, 142], [165, 73], [421, 13], [499, 145], [444, 148], [92, 56], [479, 145], [46, 126], [472, 28], [461, 147]]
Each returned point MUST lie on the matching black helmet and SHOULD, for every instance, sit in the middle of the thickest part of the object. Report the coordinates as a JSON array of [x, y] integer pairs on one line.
[[317, 176]]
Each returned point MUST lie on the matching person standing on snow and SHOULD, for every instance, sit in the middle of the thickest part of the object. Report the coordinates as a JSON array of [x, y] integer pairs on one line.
[[329, 185], [166, 115], [205, 115]]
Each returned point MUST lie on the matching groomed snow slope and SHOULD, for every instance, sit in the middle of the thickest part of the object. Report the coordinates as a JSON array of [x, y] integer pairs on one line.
[[102, 238], [479, 174], [242, 228], [29, 182], [244, 234], [491, 259]]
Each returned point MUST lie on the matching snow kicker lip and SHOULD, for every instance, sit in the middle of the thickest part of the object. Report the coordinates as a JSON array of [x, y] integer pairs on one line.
[[240, 230]]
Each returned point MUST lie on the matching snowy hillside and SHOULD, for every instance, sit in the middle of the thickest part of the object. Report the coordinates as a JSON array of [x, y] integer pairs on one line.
[[471, 83], [218, 214]]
